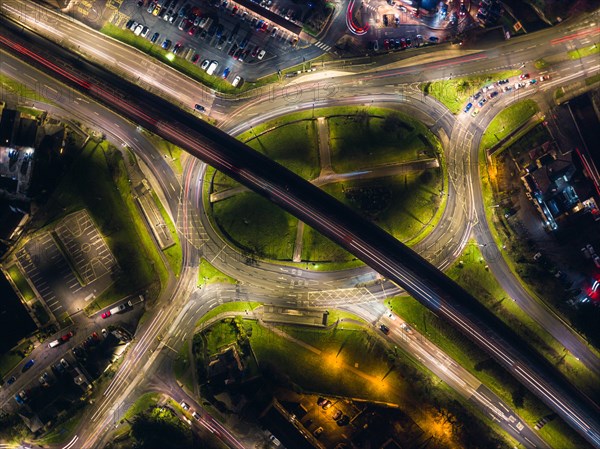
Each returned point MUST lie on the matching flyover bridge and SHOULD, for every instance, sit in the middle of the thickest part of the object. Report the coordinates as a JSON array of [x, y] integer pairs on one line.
[[365, 240]]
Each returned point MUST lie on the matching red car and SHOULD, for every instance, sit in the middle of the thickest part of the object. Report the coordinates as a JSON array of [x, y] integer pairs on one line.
[[66, 337], [386, 44], [524, 76], [255, 51], [195, 58], [264, 27], [106, 314]]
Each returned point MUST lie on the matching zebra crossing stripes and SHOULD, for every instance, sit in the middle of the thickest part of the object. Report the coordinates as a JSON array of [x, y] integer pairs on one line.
[[372, 8], [323, 46]]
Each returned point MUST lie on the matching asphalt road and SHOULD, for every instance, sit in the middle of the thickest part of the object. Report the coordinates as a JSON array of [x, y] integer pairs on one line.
[[115, 405], [360, 237]]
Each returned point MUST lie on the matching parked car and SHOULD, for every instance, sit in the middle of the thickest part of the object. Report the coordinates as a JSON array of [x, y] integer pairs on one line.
[[212, 67], [185, 405], [262, 54], [384, 329], [468, 107], [236, 81], [524, 76], [199, 108], [11, 380], [67, 336]]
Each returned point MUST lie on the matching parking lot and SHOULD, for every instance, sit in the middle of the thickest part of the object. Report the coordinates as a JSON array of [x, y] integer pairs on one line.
[[46, 266], [220, 37], [86, 248]]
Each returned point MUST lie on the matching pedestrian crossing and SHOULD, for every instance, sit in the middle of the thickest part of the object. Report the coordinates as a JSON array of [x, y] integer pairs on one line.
[[323, 46], [371, 7]]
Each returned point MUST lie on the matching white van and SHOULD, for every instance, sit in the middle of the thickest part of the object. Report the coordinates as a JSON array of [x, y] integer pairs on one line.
[[212, 67], [54, 344]]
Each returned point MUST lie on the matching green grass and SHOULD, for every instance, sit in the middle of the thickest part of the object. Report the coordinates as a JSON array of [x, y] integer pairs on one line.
[[454, 93], [363, 141], [244, 218], [256, 225], [227, 307], [218, 335], [12, 87], [293, 145], [110, 203], [507, 121], [40, 313], [10, 359], [171, 152], [591, 80], [322, 372], [584, 52], [21, 282], [181, 367], [413, 203], [142, 404], [208, 274], [173, 253], [541, 64], [560, 92]]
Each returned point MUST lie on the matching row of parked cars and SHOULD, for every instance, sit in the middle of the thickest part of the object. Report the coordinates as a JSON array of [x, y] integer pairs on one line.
[[491, 91]]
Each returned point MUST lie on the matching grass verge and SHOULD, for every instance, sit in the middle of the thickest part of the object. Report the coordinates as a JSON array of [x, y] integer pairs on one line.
[[21, 282], [228, 307], [173, 253], [208, 274], [507, 121], [592, 79], [584, 52], [453, 93]]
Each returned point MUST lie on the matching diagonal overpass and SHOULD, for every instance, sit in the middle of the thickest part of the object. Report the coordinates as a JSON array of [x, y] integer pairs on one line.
[[360, 237]]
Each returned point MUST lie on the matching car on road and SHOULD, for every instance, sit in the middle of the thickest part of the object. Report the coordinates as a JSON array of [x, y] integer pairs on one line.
[[261, 54], [196, 415], [11, 380], [468, 107], [67, 336], [185, 405], [544, 77], [318, 431], [462, 11], [406, 328], [199, 108], [533, 81], [524, 76], [384, 329], [28, 365]]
